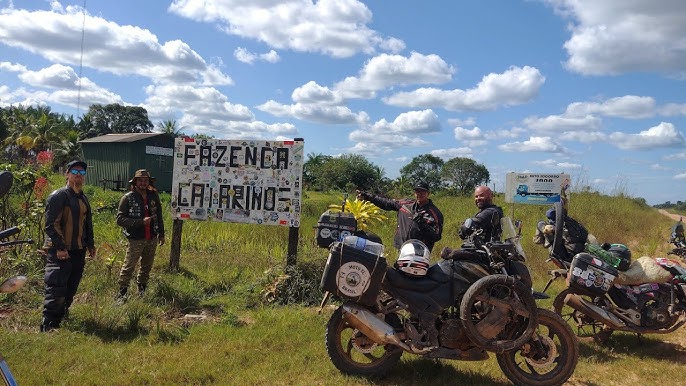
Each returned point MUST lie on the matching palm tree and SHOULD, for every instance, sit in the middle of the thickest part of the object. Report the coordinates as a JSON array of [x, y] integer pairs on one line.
[[171, 127]]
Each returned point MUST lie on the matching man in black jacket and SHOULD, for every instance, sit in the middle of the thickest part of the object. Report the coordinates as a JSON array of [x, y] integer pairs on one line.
[[69, 233], [488, 217], [140, 214], [417, 219]]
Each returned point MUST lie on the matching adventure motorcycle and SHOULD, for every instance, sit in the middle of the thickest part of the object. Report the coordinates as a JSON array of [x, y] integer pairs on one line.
[[647, 298], [475, 299], [12, 284]]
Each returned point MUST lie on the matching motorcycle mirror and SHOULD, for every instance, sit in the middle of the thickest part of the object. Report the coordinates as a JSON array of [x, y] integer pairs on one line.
[[6, 180], [12, 284]]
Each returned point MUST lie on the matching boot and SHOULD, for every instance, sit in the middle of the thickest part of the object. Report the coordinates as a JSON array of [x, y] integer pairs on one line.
[[121, 296], [141, 289]]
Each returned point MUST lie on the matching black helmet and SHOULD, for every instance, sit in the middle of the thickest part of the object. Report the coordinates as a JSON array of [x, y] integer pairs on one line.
[[624, 254]]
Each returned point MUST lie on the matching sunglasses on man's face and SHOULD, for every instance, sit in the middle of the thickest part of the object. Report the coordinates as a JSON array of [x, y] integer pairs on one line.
[[75, 172]]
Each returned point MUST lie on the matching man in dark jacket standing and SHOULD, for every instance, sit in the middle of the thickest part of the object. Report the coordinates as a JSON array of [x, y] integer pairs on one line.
[[417, 219], [140, 214], [69, 233]]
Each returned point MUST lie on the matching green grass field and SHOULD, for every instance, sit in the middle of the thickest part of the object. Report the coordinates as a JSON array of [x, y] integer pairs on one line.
[[233, 316]]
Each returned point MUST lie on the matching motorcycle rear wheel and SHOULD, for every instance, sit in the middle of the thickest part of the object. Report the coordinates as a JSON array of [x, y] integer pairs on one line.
[[552, 364], [585, 325], [499, 292], [354, 353]]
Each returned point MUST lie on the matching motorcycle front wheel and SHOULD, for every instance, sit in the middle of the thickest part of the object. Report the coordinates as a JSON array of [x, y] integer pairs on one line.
[[548, 358], [354, 353], [488, 302]]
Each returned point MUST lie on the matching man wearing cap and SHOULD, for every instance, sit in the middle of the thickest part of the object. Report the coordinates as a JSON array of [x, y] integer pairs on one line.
[[69, 233], [140, 214], [418, 218]]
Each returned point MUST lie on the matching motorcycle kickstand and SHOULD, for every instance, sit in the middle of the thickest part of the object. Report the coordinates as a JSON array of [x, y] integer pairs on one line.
[[327, 294]]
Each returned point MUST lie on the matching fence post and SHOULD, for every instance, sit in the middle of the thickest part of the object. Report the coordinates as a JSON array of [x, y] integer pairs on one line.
[[292, 246], [175, 253]]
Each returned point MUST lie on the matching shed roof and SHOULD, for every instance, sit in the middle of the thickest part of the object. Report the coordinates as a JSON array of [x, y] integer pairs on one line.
[[126, 137]]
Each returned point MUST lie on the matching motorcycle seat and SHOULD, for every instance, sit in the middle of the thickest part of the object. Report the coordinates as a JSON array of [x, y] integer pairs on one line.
[[434, 278]]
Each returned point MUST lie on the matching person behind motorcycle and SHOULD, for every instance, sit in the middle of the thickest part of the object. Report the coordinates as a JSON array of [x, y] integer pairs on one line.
[[417, 219], [574, 235], [488, 217]]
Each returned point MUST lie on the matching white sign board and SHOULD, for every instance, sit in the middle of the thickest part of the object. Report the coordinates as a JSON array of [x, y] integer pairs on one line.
[[156, 150], [245, 181], [536, 188]]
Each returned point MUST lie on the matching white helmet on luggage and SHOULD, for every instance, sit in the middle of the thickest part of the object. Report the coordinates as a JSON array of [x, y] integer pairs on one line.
[[414, 258]]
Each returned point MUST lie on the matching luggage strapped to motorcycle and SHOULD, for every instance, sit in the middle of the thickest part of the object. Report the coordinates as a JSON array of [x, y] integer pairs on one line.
[[354, 274]]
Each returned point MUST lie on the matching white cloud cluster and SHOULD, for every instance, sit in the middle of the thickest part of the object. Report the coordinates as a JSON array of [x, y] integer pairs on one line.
[[515, 86], [618, 36], [245, 56], [333, 27]]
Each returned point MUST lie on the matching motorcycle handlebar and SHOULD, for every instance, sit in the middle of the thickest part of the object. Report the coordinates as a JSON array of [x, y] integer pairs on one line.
[[9, 232], [15, 242]]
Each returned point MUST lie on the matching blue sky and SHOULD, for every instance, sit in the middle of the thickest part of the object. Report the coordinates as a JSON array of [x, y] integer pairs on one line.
[[590, 88]]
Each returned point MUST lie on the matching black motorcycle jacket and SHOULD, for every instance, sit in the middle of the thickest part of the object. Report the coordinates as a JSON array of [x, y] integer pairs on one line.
[[131, 213], [421, 222], [488, 219], [68, 221]]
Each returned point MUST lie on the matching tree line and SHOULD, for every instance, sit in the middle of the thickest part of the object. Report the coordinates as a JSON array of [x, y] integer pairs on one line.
[[457, 176], [26, 131]]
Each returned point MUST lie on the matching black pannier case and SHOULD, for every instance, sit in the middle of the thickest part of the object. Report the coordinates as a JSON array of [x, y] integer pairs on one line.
[[353, 274], [334, 226], [590, 275]]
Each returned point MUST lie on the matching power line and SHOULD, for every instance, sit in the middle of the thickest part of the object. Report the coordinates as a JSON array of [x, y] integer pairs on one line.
[[83, 35]]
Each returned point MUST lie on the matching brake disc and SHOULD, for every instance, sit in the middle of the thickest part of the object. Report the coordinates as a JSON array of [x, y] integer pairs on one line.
[[549, 358], [362, 343]]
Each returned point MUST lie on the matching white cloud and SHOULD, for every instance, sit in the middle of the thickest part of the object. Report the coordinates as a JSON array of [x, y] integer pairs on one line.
[[206, 110], [447, 154], [555, 164], [559, 124], [311, 92], [662, 135], [245, 56], [108, 47], [542, 144], [681, 176], [333, 27], [675, 157], [619, 36], [584, 137], [513, 87], [383, 136], [385, 70], [628, 106], [471, 137], [317, 113]]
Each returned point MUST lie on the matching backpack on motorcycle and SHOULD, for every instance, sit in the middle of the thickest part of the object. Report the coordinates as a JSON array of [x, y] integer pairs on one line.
[[334, 226], [591, 276], [577, 235], [354, 274]]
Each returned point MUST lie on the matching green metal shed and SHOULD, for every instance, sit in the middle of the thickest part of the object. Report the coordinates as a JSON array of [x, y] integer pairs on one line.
[[113, 158]]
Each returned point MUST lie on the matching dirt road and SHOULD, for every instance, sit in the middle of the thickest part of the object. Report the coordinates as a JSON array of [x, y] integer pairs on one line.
[[675, 217]]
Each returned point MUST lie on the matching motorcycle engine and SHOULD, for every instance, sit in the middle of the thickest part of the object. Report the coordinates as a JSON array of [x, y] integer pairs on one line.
[[656, 315], [451, 334]]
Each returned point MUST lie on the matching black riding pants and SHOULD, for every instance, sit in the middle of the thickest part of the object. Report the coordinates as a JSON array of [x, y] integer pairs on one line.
[[62, 278]]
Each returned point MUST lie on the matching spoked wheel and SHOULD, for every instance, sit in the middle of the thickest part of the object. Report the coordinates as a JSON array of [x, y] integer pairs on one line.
[[548, 358], [498, 313], [354, 353], [585, 326]]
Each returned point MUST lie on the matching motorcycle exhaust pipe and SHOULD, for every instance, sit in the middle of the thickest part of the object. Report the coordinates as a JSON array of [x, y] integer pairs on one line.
[[371, 325], [593, 311]]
